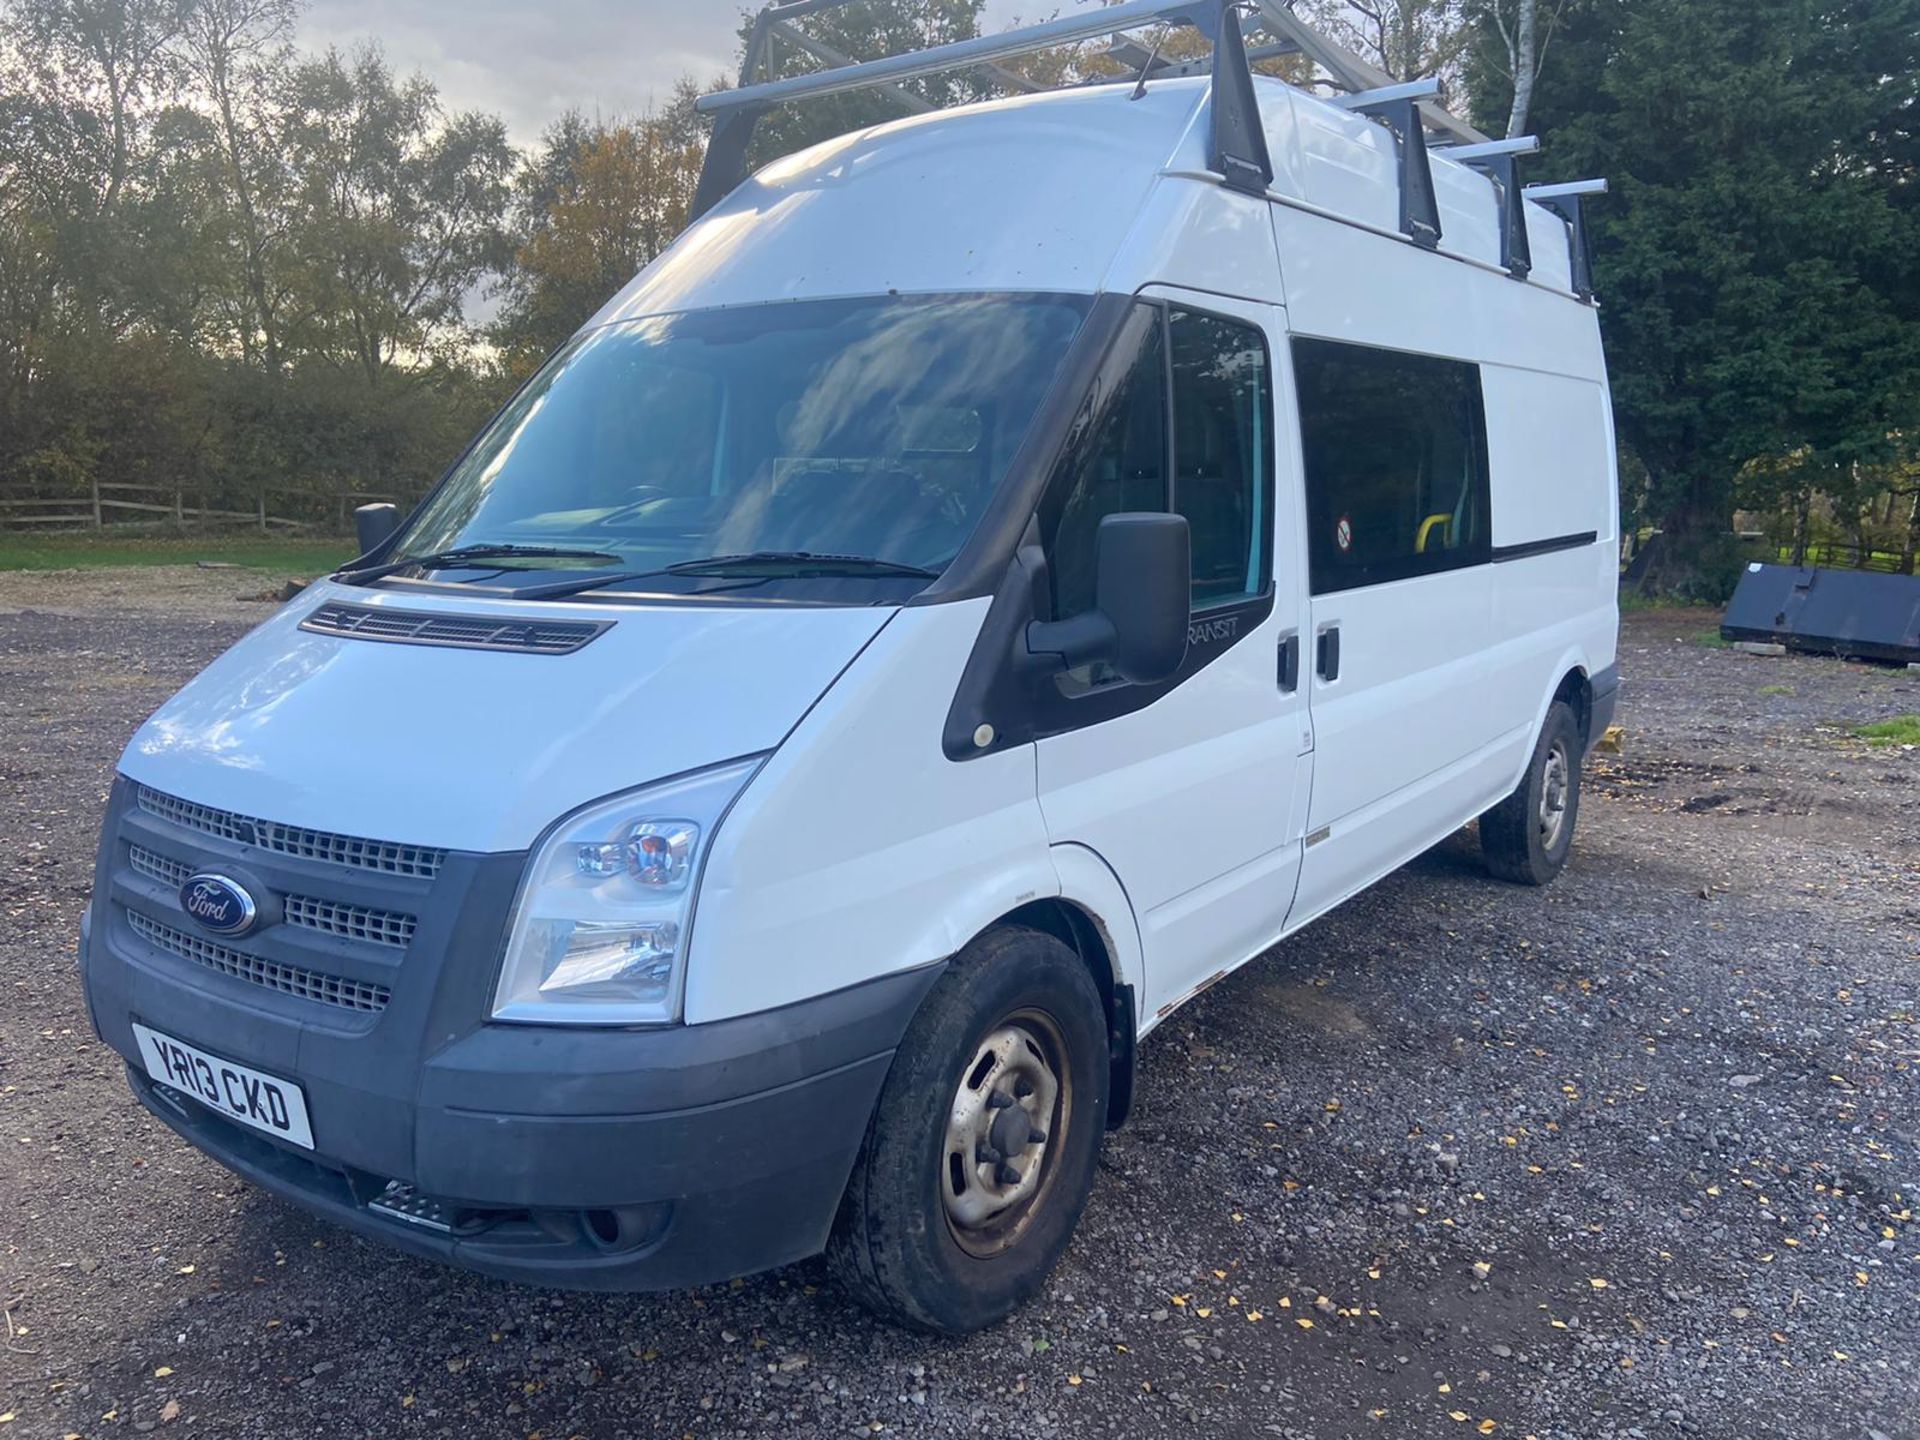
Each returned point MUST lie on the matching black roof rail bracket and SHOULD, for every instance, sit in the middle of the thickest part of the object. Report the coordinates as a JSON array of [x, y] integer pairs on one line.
[[1398, 108], [1566, 202], [1236, 140], [1499, 161]]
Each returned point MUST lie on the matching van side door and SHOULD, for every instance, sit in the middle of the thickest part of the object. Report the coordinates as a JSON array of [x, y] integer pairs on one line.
[[1192, 791], [1399, 547]]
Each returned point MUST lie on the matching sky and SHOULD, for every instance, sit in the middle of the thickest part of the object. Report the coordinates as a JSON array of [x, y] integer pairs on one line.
[[529, 63]]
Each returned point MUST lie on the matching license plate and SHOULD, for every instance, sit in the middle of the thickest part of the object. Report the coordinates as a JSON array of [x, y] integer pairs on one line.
[[236, 1091]]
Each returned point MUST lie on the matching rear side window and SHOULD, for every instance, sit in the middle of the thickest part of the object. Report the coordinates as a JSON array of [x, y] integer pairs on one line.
[[1394, 447], [1186, 427]]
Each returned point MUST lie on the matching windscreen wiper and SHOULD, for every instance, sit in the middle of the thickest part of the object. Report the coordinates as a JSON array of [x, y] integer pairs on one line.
[[465, 554], [800, 562], [754, 564]]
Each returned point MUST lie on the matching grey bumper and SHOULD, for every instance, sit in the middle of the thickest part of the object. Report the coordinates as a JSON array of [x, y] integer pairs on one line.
[[591, 1159]]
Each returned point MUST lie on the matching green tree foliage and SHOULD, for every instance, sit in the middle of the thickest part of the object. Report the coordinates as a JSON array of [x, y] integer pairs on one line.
[[1758, 257], [223, 265], [592, 206]]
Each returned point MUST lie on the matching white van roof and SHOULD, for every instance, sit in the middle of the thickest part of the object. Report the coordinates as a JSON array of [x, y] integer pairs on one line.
[[1041, 191]]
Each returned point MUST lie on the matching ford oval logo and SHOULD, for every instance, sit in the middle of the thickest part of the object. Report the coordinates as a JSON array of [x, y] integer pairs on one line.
[[218, 903]]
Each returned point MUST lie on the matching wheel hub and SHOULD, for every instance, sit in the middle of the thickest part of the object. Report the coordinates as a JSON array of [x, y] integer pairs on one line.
[[1001, 1133], [1554, 786]]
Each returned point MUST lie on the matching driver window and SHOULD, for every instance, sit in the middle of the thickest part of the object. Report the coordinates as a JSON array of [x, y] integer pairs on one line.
[[1214, 464]]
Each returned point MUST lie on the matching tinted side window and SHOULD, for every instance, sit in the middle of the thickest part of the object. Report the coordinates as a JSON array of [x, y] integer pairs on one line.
[[1395, 451], [1220, 452], [1223, 452]]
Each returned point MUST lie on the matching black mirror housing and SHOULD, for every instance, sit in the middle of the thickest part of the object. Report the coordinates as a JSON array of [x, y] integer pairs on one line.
[[373, 526], [1142, 596]]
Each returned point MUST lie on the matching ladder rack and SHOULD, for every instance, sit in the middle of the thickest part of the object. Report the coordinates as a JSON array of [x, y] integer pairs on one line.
[[1237, 146]]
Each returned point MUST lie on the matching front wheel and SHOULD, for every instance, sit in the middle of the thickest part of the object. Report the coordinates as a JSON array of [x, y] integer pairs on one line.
[[980, 1154], [1526, 837]]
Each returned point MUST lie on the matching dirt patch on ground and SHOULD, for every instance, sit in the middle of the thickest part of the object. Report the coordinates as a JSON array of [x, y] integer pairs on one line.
[[1668, 1103], [188, 591]]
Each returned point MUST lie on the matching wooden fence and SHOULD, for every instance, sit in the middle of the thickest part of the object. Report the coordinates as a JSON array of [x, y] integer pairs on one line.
[[112, 503]]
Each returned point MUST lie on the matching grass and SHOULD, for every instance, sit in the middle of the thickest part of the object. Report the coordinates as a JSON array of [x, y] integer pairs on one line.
[[265, 553], [1900, 730], [1712, 639], [1776, 689]]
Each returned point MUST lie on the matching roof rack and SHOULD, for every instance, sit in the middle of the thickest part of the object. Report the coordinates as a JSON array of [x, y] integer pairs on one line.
[[1237, 146]]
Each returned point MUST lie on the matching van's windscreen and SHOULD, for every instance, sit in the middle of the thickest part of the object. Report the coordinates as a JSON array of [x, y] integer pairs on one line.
[[871, 428]]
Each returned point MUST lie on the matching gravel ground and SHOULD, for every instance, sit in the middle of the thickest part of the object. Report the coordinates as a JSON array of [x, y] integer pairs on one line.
[[1633, 1155]]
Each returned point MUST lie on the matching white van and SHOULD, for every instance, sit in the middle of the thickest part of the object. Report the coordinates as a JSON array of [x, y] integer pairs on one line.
[[996, 574]]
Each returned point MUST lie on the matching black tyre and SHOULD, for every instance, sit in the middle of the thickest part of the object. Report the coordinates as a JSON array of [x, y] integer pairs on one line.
[[1526, 837], [980, 1154]]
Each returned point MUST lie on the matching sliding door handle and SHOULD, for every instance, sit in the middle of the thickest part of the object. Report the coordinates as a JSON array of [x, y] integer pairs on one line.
[[1290, 661], [1327, 654]]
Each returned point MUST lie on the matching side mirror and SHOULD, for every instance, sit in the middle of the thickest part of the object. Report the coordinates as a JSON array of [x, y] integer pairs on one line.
[[373, 525], [1142, 597]]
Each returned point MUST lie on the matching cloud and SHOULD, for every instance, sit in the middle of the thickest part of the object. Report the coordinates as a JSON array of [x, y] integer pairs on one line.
[[530, 63]]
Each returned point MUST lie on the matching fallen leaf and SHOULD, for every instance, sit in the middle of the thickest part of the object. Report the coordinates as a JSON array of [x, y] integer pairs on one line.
[[1487, 1427], [1073, 1380], [1458, 1415], [1303, 1322], [1482, 1269], [163, 1372], [1597, 1283], [169, 1412]]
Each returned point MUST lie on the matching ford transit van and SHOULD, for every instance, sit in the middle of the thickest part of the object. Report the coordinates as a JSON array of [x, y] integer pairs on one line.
[[994, 575]]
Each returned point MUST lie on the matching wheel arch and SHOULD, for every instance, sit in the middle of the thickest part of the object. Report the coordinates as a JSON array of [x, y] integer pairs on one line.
[[1084, 933]]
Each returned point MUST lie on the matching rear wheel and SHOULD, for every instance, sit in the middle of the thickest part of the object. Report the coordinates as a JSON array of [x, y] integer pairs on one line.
[[1527, 836], [980, 1154]]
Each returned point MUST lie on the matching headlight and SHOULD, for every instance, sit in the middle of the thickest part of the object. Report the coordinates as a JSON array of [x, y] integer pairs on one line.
[[600, 926]]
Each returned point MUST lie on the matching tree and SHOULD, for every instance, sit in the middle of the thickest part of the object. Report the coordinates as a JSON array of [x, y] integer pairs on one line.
[[1758, 256], [1409, 39], [595, 205], [239, 52], [399, 211]]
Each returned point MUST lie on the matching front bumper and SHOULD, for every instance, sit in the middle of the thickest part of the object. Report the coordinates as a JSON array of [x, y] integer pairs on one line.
[[580, 1158]]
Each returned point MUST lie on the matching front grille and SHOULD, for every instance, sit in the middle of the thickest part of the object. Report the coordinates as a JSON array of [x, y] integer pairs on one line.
[[158, 867], [382, 855], [330, 917], [355, 922], [272, 974], [461, 632]]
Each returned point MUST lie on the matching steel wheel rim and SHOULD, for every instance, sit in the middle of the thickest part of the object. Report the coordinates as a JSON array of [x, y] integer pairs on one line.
[[1022, 1060], [1556, 786]]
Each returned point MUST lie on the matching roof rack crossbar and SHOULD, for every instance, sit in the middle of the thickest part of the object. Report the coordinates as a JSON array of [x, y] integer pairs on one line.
[[1366, 101], [1238, 147], [1565, 201], [958, 55], [1488, 149], [1127, 53]]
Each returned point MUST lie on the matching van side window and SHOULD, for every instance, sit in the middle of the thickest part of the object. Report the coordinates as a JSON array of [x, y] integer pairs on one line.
[[1218, 452], [1394, 446], [1223, 460]]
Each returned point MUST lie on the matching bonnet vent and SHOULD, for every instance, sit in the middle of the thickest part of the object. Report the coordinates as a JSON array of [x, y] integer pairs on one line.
[[461, 632]]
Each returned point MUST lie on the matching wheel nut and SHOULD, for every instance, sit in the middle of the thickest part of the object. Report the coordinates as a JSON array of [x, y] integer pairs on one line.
[[998, 1100], [1007, 1175]]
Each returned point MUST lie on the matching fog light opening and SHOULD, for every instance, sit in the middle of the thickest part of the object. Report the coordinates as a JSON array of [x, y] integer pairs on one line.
[[627, 1227]]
